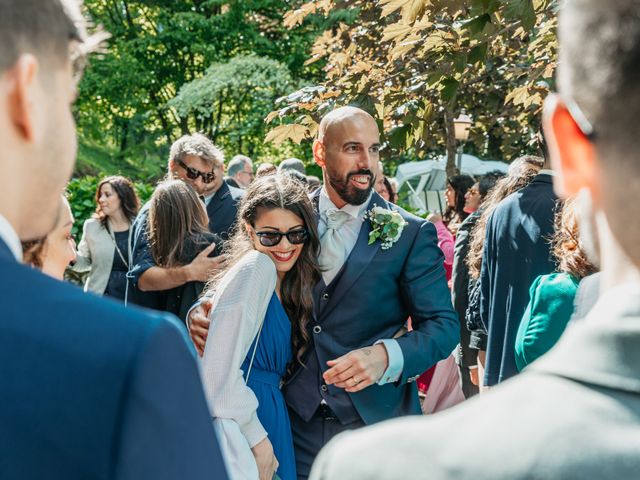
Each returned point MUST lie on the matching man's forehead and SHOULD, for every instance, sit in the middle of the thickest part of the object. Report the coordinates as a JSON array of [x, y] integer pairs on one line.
[[196, 160], [355, 129]]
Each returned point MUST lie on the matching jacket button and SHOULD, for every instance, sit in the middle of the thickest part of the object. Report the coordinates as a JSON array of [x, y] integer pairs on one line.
[[317, 329], [325, 296], [323, 388]]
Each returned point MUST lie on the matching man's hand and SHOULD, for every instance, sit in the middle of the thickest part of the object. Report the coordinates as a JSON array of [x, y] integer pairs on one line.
[[358, 369], [199, 322], [473, 375], [201, 268]]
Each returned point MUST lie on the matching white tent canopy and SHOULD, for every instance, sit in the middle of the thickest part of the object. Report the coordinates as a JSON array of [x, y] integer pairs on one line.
[[426, 179]]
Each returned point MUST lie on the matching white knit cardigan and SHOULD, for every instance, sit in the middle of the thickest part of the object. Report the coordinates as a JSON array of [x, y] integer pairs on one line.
[[239, 305]]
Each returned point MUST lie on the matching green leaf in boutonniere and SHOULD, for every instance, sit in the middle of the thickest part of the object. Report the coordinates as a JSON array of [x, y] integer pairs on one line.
[[387, 226]]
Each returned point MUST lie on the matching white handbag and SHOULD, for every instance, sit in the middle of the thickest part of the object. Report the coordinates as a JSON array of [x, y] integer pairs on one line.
[[236, 452]]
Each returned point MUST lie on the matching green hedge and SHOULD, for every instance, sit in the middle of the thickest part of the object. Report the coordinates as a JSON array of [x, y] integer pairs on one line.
[[81, 194]]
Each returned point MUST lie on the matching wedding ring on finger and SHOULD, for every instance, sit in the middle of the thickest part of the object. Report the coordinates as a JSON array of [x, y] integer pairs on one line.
[[355, 382]]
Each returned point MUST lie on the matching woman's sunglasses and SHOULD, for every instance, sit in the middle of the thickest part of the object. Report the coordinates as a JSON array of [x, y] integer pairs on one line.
[[194, 173], [271, 239]]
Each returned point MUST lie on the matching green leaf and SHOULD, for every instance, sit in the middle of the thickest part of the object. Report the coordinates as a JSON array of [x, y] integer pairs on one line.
[[477, 24], [478, 53], [449, 90], [522, 10], [397, 136]]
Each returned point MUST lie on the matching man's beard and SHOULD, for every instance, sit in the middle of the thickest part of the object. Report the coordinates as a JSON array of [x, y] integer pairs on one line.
[[350, 194]]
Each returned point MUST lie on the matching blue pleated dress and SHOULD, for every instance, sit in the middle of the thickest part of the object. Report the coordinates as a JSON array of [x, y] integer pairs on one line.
[[273, 354]]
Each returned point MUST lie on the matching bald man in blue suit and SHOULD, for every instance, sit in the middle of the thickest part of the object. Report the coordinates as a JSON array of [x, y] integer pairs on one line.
[[88, 389]]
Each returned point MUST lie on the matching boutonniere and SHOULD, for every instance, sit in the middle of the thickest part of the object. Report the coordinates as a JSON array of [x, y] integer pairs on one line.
[[387, 226]]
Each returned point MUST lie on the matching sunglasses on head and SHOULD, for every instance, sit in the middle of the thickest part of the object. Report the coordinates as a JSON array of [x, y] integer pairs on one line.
[[194, 173], [271, 239]]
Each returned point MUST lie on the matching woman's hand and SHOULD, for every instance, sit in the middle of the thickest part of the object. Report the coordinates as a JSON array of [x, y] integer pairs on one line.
[[265, 458], [434, 217]]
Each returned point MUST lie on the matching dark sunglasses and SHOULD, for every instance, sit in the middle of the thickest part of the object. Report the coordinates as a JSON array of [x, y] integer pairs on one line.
[[271, 239], [193, 173]]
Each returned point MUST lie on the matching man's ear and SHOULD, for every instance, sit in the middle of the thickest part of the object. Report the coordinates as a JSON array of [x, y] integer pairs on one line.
[[318, 153], [573, 156], [22, 100]]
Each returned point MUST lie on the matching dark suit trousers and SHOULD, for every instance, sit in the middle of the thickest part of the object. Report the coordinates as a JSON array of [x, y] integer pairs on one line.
[[309, 437]]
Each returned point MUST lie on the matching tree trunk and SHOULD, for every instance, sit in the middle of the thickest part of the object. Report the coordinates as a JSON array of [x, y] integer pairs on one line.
[[124, 135], [451, 168]]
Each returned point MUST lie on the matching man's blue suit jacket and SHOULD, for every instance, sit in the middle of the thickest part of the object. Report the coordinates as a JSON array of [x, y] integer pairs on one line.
[[371, 299], [91, 390], [516, 252]]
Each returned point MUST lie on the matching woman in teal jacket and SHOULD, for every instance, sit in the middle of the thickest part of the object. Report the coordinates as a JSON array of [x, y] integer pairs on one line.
[[551, 296]]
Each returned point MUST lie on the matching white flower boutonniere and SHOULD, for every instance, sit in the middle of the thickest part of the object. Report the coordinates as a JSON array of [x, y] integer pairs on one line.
[[387, 226]]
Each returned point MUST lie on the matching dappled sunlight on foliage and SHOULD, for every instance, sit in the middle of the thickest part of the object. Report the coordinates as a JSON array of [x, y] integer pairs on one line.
[[415, 63]]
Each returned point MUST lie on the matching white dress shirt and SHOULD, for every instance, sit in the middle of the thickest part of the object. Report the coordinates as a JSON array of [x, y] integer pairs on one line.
[[349, 231], [10, 237]]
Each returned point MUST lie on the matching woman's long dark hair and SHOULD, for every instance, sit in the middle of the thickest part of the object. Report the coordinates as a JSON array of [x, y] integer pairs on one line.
[[285, 192], [460, 184], [176, 216], [129, 201]]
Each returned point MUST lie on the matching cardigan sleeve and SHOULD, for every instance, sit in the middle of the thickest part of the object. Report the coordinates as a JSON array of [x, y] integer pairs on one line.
[[546, 316], [83, 259], [239, 306]]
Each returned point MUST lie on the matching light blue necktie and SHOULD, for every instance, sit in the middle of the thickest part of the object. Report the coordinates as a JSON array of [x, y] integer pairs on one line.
[[333, 252]]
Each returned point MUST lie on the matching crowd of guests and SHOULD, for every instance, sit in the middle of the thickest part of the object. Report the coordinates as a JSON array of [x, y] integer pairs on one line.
[[486, 248], [275, 205], [292, 313]]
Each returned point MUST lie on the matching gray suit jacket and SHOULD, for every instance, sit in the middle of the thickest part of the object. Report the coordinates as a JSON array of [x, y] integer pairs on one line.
[[95, 253], [574, 414]]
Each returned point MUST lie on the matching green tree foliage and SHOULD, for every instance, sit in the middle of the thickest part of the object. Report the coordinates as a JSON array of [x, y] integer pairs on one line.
[[124, 118], [229, 103], [415, 63]]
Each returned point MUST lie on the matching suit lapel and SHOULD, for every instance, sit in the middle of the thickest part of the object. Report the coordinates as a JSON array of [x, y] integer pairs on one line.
[[218, 199], [358, 260], [5, 252], [320, 286]]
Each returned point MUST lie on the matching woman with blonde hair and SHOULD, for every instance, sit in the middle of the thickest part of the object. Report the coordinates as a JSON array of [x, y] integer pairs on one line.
[[551, 303]]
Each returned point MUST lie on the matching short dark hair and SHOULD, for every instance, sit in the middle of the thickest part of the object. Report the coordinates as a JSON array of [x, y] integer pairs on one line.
[[47, 29], [129, 201], [599, 70]]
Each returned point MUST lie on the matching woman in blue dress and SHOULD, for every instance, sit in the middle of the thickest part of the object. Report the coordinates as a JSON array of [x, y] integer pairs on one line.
[[262, 304]]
